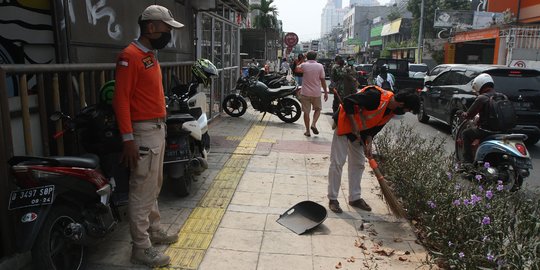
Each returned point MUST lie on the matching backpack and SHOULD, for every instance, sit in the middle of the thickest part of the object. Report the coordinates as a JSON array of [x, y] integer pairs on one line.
[[386, 84], [502, 116]]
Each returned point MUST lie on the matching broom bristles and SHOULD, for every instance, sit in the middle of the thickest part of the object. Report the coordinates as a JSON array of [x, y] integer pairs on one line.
[[388, 194]]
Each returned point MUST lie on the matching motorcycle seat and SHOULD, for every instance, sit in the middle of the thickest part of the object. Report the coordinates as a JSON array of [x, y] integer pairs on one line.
[[89, 161], [281, 89], [521, 137], [179, 118]]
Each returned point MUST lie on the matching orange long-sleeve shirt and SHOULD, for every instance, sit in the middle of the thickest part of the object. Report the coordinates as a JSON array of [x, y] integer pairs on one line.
[[138, 93]]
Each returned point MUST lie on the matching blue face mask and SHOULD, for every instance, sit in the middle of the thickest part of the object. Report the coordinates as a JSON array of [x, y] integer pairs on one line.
[[350, 63]]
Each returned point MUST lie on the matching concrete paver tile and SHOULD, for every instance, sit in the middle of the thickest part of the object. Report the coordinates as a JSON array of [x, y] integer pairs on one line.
[[229, 260], [285, 200], [255, 185], [337, 226], [242, 220], [237, 239], [335, 246], [282, 261], [286, 243], [272, 226], [249, 198], [290, 178], [392, 230], [111, 253], [290, 189], [329, 263]]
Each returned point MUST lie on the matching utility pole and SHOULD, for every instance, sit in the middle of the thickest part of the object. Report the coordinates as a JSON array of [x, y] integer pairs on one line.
[[421, 34]]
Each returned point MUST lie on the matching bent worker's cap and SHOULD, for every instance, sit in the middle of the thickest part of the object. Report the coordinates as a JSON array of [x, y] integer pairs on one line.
[[160, 13]]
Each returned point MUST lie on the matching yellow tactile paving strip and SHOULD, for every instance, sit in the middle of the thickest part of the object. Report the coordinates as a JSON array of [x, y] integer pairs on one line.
[[197, 232]]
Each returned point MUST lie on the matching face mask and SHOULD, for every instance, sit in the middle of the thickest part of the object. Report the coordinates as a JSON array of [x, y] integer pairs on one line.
[[399, 111], [160, 42], [350, 63]]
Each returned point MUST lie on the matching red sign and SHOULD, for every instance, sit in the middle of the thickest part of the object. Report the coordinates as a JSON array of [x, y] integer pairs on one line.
[[291, 39]]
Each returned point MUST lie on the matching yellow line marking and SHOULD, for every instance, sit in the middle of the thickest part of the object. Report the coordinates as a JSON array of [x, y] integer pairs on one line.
[[197, 232]]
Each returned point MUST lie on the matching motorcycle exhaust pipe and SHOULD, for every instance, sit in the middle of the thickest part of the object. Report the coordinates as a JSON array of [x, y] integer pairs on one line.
[[76, 232]]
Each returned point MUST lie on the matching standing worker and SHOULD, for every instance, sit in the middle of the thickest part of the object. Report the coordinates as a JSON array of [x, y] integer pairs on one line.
[[139, 104], [361, 117], [310, 94]]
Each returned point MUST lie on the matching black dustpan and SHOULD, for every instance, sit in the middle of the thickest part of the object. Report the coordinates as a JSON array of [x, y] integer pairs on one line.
[[303, 217]]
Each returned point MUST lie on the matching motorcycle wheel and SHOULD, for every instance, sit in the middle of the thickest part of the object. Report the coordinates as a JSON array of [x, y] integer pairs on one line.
[[288, 110], [52, 250], [454, 125], [234, 105], [182, 185]]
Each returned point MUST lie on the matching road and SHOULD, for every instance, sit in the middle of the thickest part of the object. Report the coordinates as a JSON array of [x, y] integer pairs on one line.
[[434, 128]]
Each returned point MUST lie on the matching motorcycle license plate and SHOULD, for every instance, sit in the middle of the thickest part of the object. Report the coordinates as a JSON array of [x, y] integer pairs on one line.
[[31, 197]]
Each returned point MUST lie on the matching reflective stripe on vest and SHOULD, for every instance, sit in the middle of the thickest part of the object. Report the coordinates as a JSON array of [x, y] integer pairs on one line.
[[365, 119]]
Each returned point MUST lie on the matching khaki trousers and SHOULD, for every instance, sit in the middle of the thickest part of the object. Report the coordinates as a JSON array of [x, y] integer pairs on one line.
[[145, 182], [340, 149]]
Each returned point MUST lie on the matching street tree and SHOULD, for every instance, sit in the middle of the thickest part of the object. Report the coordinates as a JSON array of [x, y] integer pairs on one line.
[[266, 19], [429, 13]]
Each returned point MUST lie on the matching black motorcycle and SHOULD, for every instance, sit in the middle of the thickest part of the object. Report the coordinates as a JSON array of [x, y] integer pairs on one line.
[[279, 101]]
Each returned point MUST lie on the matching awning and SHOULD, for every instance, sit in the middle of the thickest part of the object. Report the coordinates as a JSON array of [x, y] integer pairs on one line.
[[481, 34], [375, 43], [376, 31], [391, 28]]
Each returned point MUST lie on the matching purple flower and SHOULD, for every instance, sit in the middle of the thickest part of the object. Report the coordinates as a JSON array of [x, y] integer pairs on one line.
[[431, 204], [475, 199], [500, 187], [456, 202], [489, 194], [481, 188], [449, 174], [486, 220], [487, 165], [466, 202], [461, 255], [490, 257], [488, 205], [457, 187], [478, 177]]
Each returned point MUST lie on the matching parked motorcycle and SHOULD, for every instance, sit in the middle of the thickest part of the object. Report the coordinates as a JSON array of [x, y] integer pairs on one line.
[[498, 157], [63, 203], [188, 142], [280, 101]]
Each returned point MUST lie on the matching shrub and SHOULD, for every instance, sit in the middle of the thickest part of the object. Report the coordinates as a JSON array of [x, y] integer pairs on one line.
[[464, 224]]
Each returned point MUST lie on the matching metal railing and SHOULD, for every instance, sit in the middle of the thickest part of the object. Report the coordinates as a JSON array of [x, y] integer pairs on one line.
[[29, 94]]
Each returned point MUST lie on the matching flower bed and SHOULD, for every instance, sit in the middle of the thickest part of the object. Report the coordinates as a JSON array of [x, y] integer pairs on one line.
[[464, 224]]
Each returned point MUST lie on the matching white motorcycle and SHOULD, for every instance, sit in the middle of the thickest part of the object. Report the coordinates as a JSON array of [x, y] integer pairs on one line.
[[188, 141]]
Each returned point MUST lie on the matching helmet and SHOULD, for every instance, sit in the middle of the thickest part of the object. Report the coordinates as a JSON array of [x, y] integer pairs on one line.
[[480, 81], [203, 69], [384, 68], [106, 92]]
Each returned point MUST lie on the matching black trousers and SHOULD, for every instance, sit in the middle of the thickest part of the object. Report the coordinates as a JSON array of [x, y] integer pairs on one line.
[[469, 135]]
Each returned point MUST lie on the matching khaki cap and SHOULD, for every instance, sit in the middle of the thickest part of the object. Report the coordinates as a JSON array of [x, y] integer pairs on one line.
[[159, 13]]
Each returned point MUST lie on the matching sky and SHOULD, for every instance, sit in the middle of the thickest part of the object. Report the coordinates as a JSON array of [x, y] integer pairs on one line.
[[308, 25]]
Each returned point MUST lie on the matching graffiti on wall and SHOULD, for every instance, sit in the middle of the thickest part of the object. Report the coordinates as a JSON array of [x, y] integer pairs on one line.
[[97, 10]]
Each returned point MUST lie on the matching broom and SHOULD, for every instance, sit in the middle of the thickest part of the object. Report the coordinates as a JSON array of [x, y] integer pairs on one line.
[[391, 200]]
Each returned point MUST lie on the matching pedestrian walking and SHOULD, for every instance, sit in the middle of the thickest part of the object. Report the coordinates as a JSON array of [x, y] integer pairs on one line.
[[139, 104], [385, 79], [297, 69], [361, 116], [341, 79], [310, 93]]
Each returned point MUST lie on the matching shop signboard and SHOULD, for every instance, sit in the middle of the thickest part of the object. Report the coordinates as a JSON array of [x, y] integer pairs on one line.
[[452, 18]]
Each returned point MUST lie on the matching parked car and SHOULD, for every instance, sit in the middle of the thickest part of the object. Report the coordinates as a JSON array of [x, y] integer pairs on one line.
[[363, 73], [442, 98], [418, 70], [400, 69], [436, 71]]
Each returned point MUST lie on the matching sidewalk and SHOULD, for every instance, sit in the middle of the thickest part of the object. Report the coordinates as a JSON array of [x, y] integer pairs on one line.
[[258, 170]]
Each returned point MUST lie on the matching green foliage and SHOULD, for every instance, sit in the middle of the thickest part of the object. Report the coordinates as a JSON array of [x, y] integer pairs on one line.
[[429, 13], [394, 14], [465, 224], [267, 17]]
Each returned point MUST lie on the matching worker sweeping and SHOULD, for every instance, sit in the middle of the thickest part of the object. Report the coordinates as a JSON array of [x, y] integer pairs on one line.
[[361, 116]]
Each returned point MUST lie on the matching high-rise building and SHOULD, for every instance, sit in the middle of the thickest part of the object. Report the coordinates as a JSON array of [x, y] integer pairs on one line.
[[365, 3], [338, 3], [331, 16]]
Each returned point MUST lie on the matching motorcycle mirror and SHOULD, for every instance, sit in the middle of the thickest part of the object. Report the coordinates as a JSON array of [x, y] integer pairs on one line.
[[56, 116]]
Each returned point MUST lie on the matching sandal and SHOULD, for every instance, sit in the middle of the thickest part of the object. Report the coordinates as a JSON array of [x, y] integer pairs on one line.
[[315, 130], [334, 206], [307, 134]]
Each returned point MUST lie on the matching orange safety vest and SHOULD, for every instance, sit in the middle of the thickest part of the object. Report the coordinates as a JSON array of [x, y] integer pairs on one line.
[[366, 119]]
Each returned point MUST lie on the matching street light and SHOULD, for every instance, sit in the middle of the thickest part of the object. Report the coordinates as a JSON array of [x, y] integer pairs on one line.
[[421, 33]]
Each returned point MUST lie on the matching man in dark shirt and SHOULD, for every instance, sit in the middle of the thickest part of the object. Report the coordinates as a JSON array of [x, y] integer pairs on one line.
[[358, 143], [484, 85]]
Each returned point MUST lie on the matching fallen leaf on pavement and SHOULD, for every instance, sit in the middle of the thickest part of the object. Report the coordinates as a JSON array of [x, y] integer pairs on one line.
[[407, 252], [351, 259], [338, 265], [384, 251], [414, 222], [398, 240], [402, 259]]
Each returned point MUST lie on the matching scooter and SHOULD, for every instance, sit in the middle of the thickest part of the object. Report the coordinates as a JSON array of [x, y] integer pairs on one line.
[[63, 204], [280, 101], [188, 141], [498, 157]]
